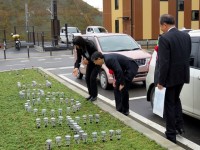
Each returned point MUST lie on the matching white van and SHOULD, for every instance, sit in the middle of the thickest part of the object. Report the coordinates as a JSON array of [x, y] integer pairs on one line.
[[72, 33], [95, 29], [190, 95]]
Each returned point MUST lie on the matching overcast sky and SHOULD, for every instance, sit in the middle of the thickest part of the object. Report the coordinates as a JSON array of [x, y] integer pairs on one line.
[[95, 3]]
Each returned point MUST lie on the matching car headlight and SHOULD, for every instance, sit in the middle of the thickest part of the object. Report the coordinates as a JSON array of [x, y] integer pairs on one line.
[[147, 60]]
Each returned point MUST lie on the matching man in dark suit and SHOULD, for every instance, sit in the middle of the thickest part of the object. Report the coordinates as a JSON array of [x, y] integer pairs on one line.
[[172, 71], [124, 69]]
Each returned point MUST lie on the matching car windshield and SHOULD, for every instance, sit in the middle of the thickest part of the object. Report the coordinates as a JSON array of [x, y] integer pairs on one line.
[[117, 43], [72, 30], [99, 30]]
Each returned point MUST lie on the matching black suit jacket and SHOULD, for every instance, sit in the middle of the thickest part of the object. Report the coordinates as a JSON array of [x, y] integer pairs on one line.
[[124, 67], [172, 66], [86, 53]]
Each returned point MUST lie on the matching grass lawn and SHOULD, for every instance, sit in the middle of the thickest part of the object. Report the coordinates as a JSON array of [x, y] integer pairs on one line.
[[18, 129]]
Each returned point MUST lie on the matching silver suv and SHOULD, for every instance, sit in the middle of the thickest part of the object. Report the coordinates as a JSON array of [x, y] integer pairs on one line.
[[190, 95]]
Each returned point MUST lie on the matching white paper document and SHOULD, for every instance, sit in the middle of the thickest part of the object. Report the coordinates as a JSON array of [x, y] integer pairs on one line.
[[158, 104]]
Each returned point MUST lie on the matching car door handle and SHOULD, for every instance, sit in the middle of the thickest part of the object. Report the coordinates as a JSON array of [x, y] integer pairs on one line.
[[199, 77]]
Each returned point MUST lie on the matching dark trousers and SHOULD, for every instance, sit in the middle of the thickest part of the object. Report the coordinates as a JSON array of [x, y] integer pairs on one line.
[[173, 111], [122, 97], [91, 78]]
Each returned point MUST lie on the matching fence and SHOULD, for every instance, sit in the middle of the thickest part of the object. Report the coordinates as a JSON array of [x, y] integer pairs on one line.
[[147, 44], [44, 41], [31, 38]]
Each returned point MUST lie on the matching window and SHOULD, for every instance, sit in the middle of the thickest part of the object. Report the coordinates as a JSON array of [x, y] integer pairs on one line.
[[116, 4], [116, 26], [198, 59], [180, 5], [195, 52], [119, 43], [195, 15]]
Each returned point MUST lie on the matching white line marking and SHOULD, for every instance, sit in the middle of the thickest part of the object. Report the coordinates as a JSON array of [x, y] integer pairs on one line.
[[16, 65], [53, 62], [136, 98], [60, 68], [41, 59], [57, 58], [154, 125], [73, 82], [24, 60]]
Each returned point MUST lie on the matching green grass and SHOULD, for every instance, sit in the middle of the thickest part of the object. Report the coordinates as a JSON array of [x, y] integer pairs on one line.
[[18, 127]]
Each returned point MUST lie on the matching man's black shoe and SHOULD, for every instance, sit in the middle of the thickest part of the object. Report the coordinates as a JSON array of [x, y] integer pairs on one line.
[[180, 131], [172, 139], [87, 98], [93, 99], [126, 113]]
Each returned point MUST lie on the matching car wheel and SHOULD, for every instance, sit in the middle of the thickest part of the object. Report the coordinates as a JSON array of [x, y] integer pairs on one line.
[[80, 75], [103, 80], [152, 95]]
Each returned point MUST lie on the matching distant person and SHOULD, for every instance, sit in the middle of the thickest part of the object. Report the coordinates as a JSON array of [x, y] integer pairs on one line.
[[172, 71], [124, 69], [15, 36], [85, 48]]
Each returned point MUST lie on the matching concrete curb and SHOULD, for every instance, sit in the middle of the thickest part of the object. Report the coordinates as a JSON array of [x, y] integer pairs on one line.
[[126, 120]]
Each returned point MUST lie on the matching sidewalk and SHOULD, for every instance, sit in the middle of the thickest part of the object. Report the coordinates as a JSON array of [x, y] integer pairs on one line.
[[24, 52]]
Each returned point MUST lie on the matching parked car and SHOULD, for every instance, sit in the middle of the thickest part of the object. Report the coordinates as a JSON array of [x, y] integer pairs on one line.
[[122, 44], [190, 93], [95, 29], [72, 32], [185, 30]]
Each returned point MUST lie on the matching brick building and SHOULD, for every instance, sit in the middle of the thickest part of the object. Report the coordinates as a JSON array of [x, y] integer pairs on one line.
[[117, 16]]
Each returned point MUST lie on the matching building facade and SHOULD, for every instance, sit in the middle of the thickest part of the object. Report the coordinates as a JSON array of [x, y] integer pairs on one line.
[[140, 18]]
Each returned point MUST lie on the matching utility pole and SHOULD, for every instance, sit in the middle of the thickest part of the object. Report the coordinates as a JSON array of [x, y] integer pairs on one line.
[[26, 16], [27, 21], [55, 23]]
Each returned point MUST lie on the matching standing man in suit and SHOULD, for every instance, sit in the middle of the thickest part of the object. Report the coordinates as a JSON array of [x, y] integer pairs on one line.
[[172, 71], [124, 69], [85, 48]]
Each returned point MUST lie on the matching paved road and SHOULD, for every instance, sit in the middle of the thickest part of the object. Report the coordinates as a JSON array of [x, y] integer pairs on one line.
[[61, 64]]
